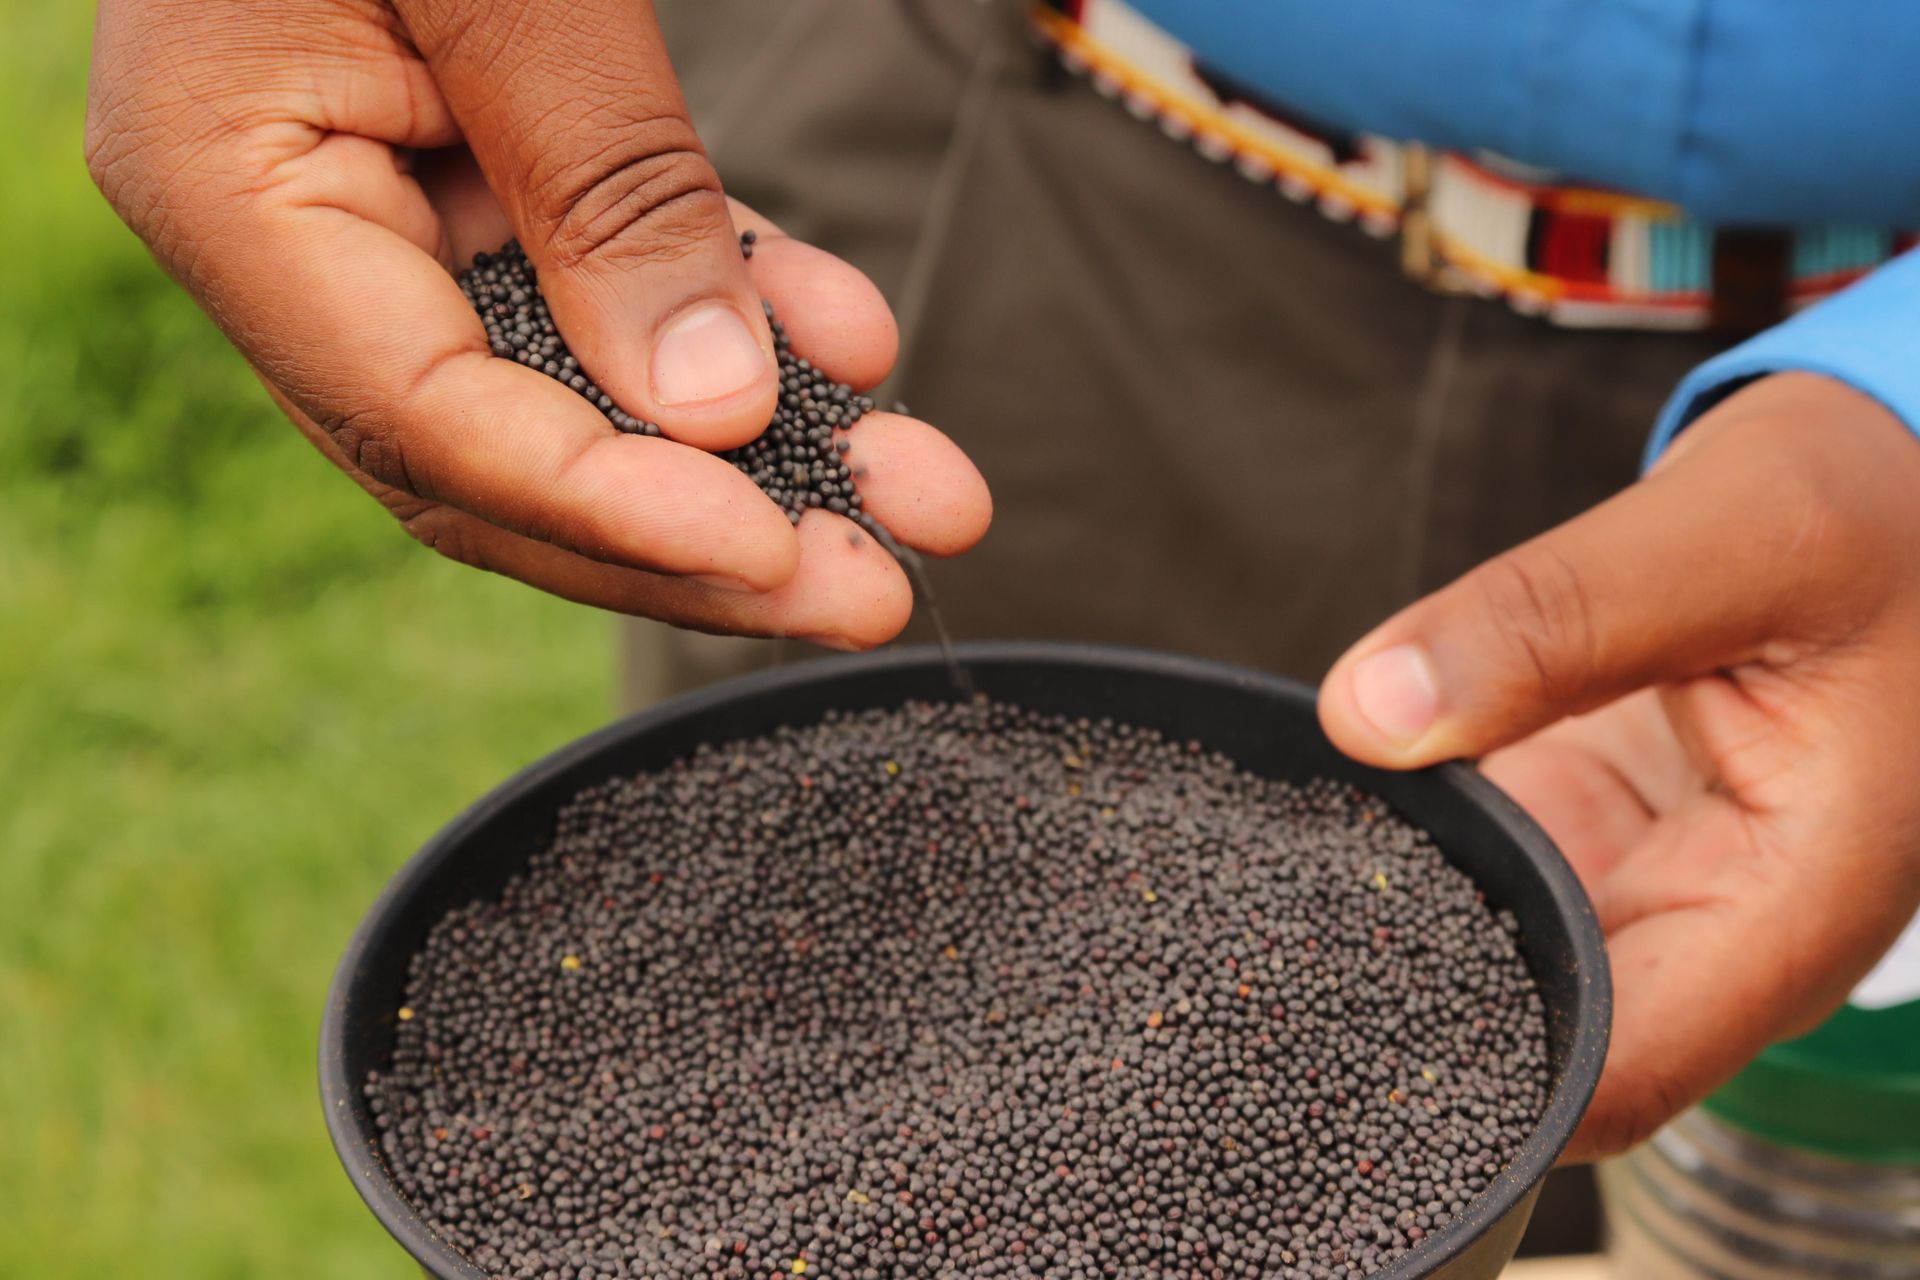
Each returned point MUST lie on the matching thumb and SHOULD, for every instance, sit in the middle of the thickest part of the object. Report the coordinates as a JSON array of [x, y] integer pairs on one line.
[[573, 111], [1701, 566]]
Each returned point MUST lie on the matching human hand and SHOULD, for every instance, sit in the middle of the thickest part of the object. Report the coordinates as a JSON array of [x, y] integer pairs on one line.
[[1708, 691], [314, 171]]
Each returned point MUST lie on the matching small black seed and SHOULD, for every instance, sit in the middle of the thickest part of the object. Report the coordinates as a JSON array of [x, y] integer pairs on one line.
[[505, 293], [962, 990]]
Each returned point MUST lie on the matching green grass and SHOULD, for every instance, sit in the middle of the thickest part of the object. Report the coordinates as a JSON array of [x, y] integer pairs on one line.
[[233, 697]]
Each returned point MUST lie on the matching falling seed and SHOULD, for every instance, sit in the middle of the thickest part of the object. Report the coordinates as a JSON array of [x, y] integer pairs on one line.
[[406, 1014]]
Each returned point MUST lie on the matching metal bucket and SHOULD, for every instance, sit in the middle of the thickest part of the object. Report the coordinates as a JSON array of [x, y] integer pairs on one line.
[[1706, 1201]]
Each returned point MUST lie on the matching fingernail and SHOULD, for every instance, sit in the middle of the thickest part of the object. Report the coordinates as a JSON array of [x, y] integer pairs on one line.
[[725, 582], [1394, 691], [707, 353]]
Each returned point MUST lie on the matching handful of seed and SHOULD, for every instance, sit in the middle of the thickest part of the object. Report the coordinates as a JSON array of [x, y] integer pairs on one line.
[[962, 991], [799, 461]]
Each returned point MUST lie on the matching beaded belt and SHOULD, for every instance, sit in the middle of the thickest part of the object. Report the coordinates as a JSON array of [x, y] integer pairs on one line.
[[1578, 256]]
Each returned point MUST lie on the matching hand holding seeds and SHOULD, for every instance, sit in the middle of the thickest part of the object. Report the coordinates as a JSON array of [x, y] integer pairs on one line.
[[315, 173], [1708, 689]]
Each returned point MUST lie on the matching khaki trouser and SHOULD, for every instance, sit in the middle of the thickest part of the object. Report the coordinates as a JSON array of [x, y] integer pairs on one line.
[[1212, 421]]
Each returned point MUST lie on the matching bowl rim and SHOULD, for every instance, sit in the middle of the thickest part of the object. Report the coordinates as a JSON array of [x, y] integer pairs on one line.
[[357, 1147]]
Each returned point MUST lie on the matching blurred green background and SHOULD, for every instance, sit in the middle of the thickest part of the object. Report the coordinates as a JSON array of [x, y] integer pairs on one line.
[[233, 697]]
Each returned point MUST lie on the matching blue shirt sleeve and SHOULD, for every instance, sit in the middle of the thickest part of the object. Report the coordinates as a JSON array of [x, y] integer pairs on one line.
[[1867, 336]]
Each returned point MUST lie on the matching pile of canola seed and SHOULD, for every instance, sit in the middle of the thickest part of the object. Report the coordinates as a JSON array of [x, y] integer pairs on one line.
[[962, 991], [799, 461]]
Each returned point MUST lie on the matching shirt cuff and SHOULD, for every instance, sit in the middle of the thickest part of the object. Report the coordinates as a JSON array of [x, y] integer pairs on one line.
[[1867, 336]]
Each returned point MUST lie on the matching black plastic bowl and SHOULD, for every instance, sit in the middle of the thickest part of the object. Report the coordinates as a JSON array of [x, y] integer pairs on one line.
[[1266, 724]]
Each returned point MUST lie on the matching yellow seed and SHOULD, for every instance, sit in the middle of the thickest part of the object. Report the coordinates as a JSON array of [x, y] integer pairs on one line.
[[1380, 881], [1428, 1076], [893, 771], [1074, 762], [951, 952], [526, 1192], [1106, 811], [1148, 895], [569, 963], [406, 1014], [799, 1266], [859, 1197], [1073, 788]]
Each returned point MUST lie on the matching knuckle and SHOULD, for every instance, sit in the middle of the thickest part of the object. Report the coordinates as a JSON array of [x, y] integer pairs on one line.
[[1812, 526], [1539, 609], [649, 193], [435, 529], [1613, 1131], [101, 159], [113, 143], [1652, 1095], [371, 447], [557, 516]]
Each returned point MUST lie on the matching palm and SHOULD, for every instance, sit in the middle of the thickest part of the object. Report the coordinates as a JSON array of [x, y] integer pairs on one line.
[[1693, 813]]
